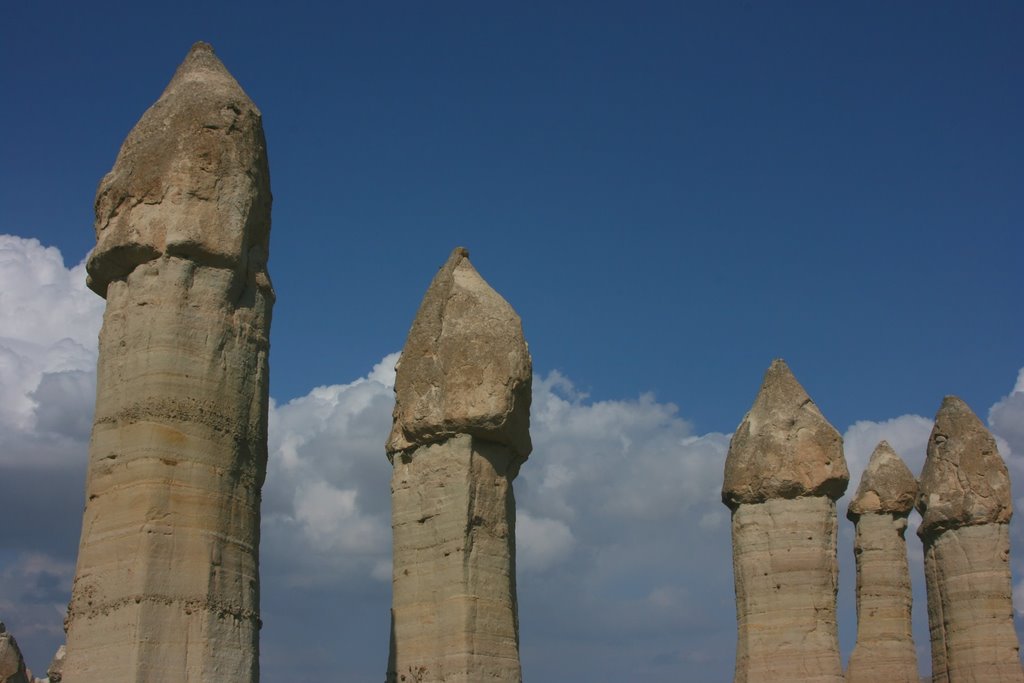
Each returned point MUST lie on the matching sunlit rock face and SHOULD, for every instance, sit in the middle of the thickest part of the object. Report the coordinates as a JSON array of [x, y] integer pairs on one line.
[[167, 583], [783, 473], [461, 432], [965, 505], [885, 642]]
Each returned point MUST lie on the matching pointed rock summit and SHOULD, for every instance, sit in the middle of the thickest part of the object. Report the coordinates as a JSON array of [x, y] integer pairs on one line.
[[191, 180], [465, 368], [461, 432], [885, 643], [887, 485], [784, 448], [964, 481], [167, 583], [784, 470], [965, 507]]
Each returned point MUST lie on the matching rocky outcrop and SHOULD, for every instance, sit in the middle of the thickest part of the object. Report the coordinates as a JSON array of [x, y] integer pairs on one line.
[[167, 582], [461, 431], [12, 664], [885, 641], [55, 672], [783, 473], [965, 505]]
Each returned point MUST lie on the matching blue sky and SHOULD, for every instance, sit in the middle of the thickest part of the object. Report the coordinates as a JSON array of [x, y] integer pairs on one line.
[[669, 195]]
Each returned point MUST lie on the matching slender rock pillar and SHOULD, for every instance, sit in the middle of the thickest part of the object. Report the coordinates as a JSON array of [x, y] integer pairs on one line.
[[461, 431], [966, 505], [885, 640], [167, 583], [784, 471]]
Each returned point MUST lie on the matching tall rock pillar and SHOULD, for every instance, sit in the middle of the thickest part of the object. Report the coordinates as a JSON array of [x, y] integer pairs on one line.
[[167, 583], [885, 640], [966, 505], [784, 471], [461, 431]]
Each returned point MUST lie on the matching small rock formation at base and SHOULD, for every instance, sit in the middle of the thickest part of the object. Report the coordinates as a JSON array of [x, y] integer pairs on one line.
[[166, 587], [12, 664], [784, 471], [461, 432], [965, 504], [885, 641], [55, 672]]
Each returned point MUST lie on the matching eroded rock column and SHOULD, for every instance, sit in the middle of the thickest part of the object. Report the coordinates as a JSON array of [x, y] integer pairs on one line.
[[885, 641], [461, 431], [784, 471], [966, 505], [167, 583]]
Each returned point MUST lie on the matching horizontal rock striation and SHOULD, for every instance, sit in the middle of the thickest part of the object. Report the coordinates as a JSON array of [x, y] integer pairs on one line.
[[784, 470], [966, 504], [461, 432], [167, 582], [885, 643]]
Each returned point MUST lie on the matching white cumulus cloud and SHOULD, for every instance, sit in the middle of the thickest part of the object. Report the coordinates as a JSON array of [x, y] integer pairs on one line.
[[49, 322], [623, 543]]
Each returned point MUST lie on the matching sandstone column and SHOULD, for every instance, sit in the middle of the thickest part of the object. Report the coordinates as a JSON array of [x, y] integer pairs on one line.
[[784, 471], [885, 641], [965, 505], [167, 583], [461, 431]]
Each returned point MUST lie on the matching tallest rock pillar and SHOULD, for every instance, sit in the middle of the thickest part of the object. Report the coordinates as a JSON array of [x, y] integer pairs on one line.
[[784, 471], [167, 583], [461, 431]]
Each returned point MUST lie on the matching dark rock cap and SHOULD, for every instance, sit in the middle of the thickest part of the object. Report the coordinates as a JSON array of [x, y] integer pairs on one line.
[[191, 180], [465, 368], [964, 481], [784, 448], [886, 487]]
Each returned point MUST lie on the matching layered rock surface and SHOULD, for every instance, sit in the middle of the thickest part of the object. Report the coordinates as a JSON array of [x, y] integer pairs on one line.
[[885, 642], [167, 582], [966, 504], [461, 431], [784, 470]]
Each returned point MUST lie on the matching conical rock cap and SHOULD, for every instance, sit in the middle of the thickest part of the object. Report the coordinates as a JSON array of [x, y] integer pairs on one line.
[[886, 487], [964, 481], [784, 448], [191, 180], [465, 367]]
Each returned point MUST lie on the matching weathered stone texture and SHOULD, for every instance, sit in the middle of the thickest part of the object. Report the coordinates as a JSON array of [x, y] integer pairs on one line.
[[461, 433], [465, 367], [12, 664], [784, 448], [167, 582], [454, 600], [966, 505], [784, 470], [885, 642], [786, 577], [55, 672]]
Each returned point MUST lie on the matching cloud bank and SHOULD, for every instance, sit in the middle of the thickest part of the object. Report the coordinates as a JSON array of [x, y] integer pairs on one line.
[[623, 544]]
